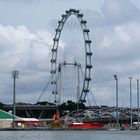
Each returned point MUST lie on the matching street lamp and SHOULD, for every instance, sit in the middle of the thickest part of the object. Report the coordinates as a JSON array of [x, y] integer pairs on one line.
[[116, 78], [14, 76], [138, 101], [131, 120]]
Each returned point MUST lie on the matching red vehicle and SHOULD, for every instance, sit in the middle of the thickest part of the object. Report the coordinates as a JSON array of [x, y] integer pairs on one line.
[[86, 125]]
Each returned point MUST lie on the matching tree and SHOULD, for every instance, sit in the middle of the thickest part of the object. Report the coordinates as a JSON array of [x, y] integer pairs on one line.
[[1, 105]]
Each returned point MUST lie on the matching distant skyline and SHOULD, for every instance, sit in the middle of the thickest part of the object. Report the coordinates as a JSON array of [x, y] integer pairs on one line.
[[27, 28]]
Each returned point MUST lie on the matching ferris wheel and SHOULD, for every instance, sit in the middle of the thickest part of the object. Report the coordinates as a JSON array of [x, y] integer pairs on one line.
[[55, 61]]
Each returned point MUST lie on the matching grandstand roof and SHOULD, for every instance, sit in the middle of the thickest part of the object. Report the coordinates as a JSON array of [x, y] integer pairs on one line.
[[5, 115]]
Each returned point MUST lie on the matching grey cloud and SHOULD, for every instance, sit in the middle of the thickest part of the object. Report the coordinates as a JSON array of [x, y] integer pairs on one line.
[[113, 12], [19, 1], [94, 18], [119, 11], [30, 54]]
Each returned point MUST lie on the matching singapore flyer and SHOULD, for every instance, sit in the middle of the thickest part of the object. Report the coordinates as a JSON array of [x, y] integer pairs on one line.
[[71, 25]]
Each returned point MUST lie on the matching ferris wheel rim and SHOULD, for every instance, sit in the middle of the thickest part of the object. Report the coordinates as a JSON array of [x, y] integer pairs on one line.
[[88, 52]]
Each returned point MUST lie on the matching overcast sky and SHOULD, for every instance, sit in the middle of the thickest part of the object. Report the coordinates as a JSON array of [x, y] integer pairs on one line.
[[27, 28]]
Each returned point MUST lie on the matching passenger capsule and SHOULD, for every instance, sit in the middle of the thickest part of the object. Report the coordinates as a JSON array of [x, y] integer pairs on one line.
[[67, 11], [89, 66], [85, 90], [86, 30], [72, 10], [63, 16], [53, 50], [80, 15], [53, 61], [58, 30], [53, 82], [89, 53], [76, 11], [53, 71], [88, 79], [55, 39], [60, 22], [87, 41], [83, 21]]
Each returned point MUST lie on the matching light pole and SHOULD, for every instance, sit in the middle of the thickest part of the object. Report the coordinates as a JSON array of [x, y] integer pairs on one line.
[[131, 119], [116, 78], [138, 101], [14, 76]]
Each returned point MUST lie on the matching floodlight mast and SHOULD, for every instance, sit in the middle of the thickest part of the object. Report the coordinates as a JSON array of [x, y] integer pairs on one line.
[[138, 102], [131, 119], [117, 119], [14, 76]]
